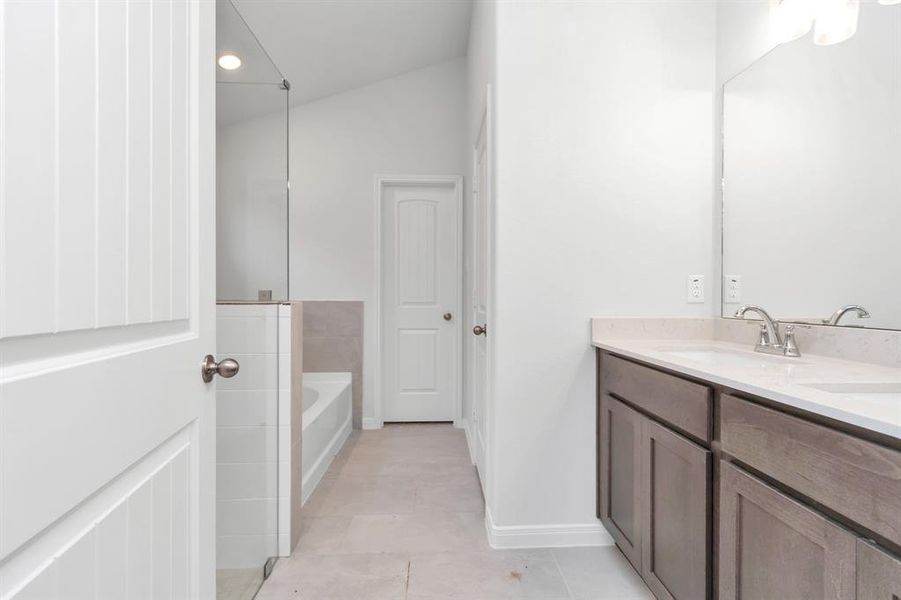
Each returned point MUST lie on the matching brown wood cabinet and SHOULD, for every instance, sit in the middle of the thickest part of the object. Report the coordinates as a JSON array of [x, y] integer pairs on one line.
[[620, 473], [774, 547], [655, 499], [798, 498], [675, 498], [878, 573]]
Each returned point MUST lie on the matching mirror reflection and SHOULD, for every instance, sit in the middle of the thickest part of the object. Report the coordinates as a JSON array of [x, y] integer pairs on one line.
[[812, 180]]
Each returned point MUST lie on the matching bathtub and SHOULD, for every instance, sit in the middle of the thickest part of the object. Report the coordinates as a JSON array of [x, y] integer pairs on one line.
[[326, 424]]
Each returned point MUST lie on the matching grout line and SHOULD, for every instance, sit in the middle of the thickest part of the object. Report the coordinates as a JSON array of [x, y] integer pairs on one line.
[[562, 575]]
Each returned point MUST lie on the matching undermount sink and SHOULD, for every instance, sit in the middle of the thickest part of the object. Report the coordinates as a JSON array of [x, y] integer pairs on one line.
[[865, 391], [722, 356]]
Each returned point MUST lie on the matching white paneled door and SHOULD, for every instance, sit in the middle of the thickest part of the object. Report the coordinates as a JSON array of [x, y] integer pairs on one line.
[[478, 418], [106, 299], [420, 298]]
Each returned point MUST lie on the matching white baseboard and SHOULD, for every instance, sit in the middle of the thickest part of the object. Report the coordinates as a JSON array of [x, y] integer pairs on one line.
[[464, 425], [545, 536], [372, 423]]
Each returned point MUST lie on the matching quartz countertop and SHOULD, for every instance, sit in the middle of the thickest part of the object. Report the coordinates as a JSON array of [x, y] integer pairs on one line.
[[862, 394]]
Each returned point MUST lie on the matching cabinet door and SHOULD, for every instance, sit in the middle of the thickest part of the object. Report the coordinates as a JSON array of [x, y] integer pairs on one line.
[[771, 546], [675, 505], [619, 454], [878, 574]]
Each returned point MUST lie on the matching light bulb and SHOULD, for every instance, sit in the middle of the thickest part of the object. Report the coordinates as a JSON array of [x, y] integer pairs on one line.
[[229, 61], [790, 19], [836, 21]]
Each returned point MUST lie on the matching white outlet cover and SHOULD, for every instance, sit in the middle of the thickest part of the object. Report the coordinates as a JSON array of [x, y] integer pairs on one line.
[[695, 289], [732, 289]]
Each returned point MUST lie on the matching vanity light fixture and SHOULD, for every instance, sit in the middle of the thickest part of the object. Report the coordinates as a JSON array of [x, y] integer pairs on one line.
[[833, 21], [790, 19], [229, 61], [836, 21]]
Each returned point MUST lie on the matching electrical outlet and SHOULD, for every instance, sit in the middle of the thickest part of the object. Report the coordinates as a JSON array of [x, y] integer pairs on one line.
[[695, 289], [732, 289]]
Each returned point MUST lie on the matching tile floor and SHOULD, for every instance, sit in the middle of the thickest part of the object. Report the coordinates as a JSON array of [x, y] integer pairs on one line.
[[238, 584], [399, 516]]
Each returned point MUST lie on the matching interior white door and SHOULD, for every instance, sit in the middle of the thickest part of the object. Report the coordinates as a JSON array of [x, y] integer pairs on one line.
[[420, 283], [480, 192], [106, 299]]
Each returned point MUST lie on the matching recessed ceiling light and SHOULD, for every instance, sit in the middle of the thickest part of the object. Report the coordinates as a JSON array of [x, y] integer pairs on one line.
[[229, 61]]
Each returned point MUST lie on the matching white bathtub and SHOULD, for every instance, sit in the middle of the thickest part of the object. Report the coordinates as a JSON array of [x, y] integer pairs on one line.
[[326, 424]]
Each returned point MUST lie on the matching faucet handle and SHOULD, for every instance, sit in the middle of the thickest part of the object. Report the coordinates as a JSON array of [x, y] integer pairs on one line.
[[790, 346], [764, 340]]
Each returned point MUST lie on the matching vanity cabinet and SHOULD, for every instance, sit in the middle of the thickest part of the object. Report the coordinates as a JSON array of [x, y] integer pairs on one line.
[[878, 573], [774, 547], [620, 474], [675, 506], [655, 494], [797, 506]]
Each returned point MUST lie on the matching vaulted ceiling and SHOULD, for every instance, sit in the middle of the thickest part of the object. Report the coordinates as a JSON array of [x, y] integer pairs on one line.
[[324, 47]]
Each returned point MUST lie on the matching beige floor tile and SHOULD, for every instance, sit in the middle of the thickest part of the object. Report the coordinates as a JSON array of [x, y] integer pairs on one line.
[[422, 532], [490, 575], [600, 573], [347, 497], [238, 584], [405, 501], [338, 577], [449, 497], [322, 535]]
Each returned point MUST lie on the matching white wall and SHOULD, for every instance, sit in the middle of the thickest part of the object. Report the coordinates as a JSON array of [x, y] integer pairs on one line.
[[410, 124], [604, 156], [251, 207]]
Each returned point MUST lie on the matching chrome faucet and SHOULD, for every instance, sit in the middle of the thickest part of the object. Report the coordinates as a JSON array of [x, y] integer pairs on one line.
[[770, 341], [861, 312]]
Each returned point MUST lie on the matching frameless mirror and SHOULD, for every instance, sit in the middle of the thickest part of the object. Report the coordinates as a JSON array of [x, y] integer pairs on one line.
[[812, 178]]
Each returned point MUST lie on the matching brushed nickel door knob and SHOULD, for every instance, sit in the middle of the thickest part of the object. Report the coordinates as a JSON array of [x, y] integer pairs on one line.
[[480, 330], [227, 368]]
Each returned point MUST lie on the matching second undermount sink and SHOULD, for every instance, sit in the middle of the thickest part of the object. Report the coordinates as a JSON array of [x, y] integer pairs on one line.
[[736, 358], [863, 391]]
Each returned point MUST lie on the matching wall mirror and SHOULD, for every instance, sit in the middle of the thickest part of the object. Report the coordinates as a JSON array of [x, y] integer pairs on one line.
[[812, 178]]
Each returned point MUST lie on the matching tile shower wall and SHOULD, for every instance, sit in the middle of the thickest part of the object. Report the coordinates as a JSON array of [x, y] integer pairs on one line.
[[253, 435], [333, 343]]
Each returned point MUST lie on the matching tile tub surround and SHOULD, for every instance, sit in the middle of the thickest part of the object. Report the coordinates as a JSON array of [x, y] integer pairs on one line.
[[333, 343], [648, 340], [256, 442], [400, 516]]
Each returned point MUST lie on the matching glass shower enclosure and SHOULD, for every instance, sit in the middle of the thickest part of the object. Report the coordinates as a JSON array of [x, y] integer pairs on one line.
[[251, 281]]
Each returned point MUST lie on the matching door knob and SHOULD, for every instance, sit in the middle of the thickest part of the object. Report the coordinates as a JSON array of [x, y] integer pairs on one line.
[[480, 330], [448, 316], [227, 368]]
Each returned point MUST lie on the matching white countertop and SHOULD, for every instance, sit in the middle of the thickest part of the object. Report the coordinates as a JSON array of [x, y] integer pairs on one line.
[[783, 380]]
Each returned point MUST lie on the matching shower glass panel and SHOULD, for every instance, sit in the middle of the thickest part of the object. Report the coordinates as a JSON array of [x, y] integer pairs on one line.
[[252, 187], [251, 278]]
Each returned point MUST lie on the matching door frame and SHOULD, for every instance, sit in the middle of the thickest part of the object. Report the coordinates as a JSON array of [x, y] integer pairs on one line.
[[382, 181]]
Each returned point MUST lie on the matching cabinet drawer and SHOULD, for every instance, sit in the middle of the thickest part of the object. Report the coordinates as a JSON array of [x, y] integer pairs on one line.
[[855, 478], [681, 403], [878, 573]]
